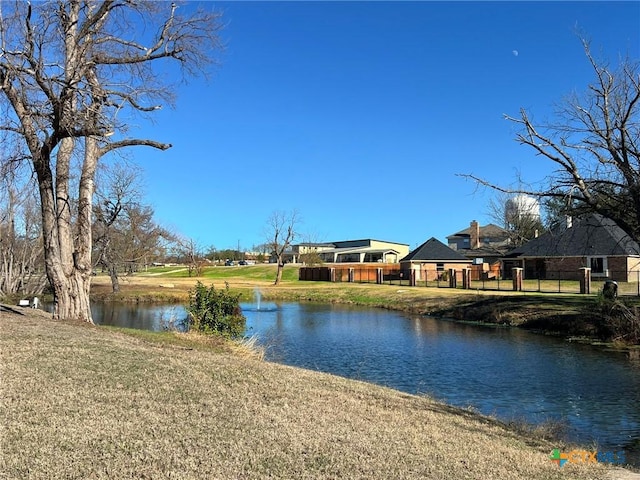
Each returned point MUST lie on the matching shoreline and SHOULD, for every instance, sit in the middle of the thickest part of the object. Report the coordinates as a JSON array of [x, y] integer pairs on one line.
[[567, 316]]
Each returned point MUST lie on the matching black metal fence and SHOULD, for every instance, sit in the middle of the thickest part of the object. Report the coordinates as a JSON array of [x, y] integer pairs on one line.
[[551, 282]]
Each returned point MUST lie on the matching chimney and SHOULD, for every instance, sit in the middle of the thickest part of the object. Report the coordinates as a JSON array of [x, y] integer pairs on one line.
[[474, 235]]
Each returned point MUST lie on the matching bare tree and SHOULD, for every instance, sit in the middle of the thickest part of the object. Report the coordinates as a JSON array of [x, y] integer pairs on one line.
[[145, 240], [70, 72], [21, 256], [124, 232], [281, 230], [595, 147], [189, 252], [117, 188]]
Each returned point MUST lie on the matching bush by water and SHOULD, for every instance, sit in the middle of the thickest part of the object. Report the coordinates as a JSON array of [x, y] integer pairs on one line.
[[216, 311]]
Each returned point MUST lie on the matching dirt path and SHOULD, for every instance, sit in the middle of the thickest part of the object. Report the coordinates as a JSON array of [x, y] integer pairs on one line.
[[164, 273]]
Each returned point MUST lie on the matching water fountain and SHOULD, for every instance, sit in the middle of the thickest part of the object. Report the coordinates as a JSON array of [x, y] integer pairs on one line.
[[257, 295], [258, 305]]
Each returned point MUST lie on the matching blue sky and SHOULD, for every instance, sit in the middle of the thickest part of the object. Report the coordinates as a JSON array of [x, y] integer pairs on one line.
[[359, 115]]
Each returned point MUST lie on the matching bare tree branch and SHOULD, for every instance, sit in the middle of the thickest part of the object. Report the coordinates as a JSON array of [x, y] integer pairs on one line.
[[69, 70], [280, 232], [595, 146]]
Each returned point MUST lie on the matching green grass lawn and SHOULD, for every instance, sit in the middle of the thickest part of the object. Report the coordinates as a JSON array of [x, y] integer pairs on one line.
[[265, 272]]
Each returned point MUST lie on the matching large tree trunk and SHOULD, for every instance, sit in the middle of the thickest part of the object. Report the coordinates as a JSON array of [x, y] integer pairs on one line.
[[279, 272], [68, 249], [70, 284], [71, 297], [115, 281], [67, 256]]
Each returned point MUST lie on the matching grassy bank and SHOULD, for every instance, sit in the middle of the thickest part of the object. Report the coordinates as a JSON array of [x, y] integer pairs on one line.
[[80, 401]]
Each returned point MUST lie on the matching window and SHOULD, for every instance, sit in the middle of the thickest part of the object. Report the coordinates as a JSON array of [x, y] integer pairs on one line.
[[440, 273], [598, 266], [373, 257]]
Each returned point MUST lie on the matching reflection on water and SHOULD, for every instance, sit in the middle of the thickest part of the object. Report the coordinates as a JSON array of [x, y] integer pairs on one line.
[[147, 317], [504, 372]]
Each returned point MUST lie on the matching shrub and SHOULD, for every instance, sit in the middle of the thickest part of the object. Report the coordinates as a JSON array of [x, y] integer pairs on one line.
[[620, 320], [215, 311]]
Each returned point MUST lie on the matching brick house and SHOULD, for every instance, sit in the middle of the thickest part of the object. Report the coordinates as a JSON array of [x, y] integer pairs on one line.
[[593, 241], [431, 259], [484, 245]]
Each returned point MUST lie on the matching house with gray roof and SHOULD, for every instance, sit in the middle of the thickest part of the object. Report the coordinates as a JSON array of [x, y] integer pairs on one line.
[[476, 236], [431, 259], [593, 241], [482, 244]]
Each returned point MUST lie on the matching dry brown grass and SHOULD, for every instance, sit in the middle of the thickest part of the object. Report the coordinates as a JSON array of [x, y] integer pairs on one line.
[[87, 402]]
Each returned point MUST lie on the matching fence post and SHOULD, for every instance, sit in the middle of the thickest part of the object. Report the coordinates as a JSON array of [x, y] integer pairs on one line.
[[412, 278], [379, 276], [453, 281], [466, 278], [585, 280], [351, 274], [517, 279], [332, 274]]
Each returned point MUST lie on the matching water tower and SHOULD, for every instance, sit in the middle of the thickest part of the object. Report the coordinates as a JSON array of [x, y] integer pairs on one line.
[[520, 207]]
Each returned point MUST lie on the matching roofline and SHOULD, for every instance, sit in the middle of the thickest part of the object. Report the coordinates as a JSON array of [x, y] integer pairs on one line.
[[357, 250], [438, 261], [370, 239], [574, 256], [356, 240], [480, 227]]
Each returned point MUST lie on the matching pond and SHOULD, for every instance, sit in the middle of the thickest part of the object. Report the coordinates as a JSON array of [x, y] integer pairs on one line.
[[509, 373]]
